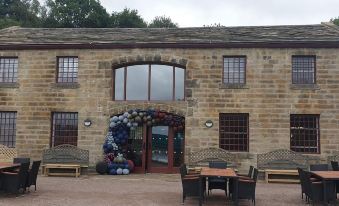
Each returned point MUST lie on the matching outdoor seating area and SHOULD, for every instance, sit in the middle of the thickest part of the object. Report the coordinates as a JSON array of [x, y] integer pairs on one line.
[[17, 177]]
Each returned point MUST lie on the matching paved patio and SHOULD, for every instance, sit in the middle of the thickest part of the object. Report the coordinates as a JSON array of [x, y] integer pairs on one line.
[[136, 189]]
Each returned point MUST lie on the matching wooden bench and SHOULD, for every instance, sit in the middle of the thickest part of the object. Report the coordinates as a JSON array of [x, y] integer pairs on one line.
[[281, 165], [62, 159], [202, 157], [76, 168], [281, 176]]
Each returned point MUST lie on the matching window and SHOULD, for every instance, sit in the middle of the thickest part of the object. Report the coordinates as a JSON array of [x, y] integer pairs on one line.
[[8, 128], [8, 69], [234, 70], [303, 69], [64, 128], [149, 82], [67, 70], [233, 132], [305, 133]]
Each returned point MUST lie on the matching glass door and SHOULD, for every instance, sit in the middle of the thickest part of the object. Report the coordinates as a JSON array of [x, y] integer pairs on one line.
[[159, 159]]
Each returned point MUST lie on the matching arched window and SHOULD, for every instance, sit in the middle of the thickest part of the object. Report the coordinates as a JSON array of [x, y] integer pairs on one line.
[[149, 82]]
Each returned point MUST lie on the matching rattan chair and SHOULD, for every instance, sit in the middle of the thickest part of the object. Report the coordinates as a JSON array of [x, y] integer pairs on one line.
[[246, 187], [314, 189], [33, 174], [18, 160], [190, 184], [335, 165], [217, 182], [319, 167], [14, 182]]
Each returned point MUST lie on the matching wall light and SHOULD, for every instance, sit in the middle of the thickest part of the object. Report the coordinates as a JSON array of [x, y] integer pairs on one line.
[[209, 123], [87, 122]]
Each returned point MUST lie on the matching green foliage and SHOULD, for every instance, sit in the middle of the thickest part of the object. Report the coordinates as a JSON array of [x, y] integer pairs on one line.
[[127, 19], [19, 13], [72, 14], [76, 13], [335, 21], [162, 22]]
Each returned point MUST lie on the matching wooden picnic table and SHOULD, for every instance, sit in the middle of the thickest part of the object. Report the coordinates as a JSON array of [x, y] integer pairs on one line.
[[7, 165], [222, 173], [326, 177]]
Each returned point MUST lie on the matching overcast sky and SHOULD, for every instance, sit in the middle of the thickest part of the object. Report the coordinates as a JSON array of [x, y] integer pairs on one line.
[[188, 13]]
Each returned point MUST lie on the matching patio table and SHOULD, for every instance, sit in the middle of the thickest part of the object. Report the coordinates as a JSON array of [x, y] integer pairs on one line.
[[326, 177], [7, 165], [216, 172]]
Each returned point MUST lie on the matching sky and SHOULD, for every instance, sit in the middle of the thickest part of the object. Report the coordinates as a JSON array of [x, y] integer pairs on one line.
[[194, 13]]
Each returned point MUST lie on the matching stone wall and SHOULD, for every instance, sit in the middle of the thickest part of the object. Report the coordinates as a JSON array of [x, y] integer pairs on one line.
[[268, 97]]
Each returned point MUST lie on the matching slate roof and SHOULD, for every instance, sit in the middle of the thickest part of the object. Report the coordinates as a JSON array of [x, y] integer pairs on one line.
[[214, 36]]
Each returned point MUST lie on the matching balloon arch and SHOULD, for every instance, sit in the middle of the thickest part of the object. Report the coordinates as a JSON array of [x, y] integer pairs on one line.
[[115, 147]]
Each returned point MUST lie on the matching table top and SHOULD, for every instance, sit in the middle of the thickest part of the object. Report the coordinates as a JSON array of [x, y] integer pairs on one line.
[[7, 165], [215, 172], [327, 175]]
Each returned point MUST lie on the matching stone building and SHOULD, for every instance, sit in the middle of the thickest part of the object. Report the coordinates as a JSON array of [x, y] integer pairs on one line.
[[248, 90]]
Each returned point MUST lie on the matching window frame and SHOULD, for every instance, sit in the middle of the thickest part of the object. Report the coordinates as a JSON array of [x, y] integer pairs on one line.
[[58, 67], [223, 70], [247, 128], [124, 66], [52, 137], [317, 130], [13, 127], [315, 69], [17, 70]]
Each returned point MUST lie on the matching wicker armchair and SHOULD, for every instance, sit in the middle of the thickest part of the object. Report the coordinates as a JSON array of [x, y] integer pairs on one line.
[[216, 182], [319, 167], [314, 189], [14, 182], [190, 184], [246, 187], [33, 174]]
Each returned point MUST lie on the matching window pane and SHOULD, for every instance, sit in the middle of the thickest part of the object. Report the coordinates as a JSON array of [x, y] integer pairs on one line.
[[234, 70], [137, 82], [179, 84], [119, 84], [65, 128], [304, 133], [161, 82], [303, 69], [8, 128], [67, 69], [8, 69], [233, 132]]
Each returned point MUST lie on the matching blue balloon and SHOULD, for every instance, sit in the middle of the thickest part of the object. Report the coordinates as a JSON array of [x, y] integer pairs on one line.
[[109, 147], [125, 171], [110, 166], [112, 172], [119, 171], [115, 119]]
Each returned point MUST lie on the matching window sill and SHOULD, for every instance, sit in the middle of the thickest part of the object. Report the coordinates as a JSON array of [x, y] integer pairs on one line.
[[66, 85], [233, 86], [304, 87], [9, 85]]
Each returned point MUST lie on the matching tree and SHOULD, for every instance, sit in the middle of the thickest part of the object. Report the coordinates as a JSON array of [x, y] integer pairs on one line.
[[335, 21], [20, 13], [162, 22], [76, 14], [127, 19]]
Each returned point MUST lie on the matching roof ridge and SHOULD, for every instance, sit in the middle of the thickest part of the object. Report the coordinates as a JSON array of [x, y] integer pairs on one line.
[[331, 25], [11, 28]]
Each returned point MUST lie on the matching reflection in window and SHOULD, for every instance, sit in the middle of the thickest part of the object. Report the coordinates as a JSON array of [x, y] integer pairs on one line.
[[161, 82], [179, 84], [137, 82], [149, 82], [119, 84]]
